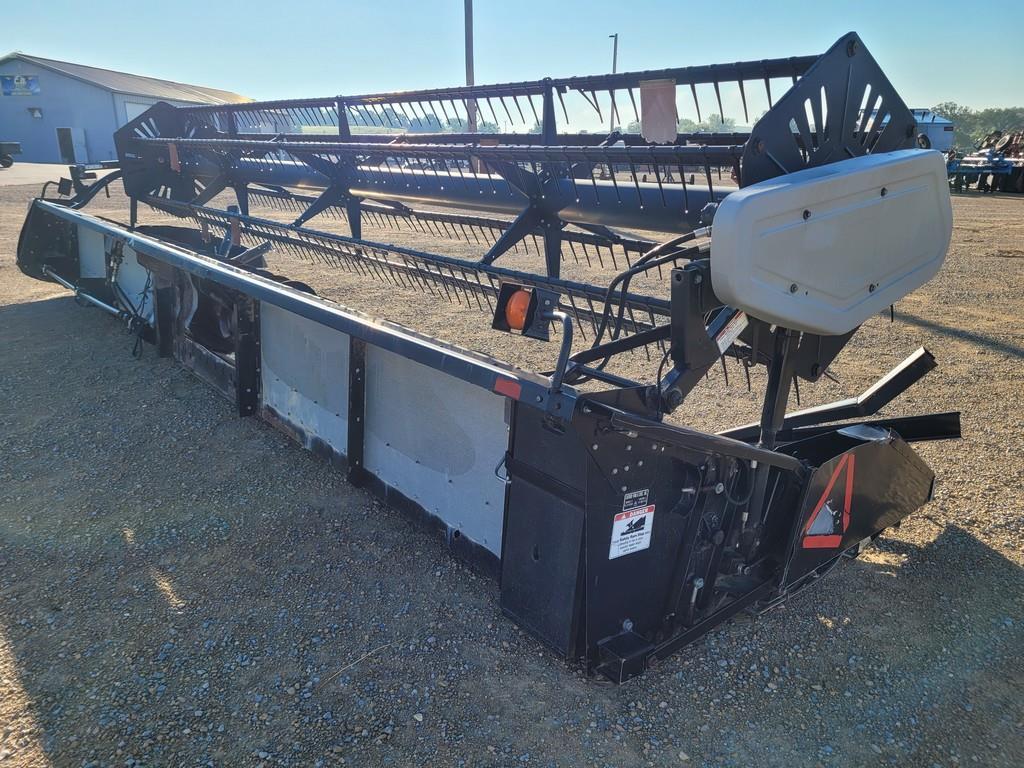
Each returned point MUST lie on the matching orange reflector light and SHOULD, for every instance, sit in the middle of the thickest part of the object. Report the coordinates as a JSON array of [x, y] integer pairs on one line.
[[515, 310]]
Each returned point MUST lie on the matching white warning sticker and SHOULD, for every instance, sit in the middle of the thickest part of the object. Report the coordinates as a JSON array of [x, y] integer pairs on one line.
[[731, 331], [631, 531]]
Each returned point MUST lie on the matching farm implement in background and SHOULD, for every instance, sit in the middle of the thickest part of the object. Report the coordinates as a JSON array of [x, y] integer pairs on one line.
[[996, 166], [617, 536]]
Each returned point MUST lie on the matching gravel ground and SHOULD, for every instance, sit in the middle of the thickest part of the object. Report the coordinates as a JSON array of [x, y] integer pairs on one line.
[[182, 587]]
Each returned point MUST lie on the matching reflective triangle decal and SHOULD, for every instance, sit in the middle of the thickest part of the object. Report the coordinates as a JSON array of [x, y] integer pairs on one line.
[[830, 517]]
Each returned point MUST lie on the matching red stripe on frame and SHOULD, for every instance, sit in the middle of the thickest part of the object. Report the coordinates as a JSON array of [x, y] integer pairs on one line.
[[508, 387], [822, 542]]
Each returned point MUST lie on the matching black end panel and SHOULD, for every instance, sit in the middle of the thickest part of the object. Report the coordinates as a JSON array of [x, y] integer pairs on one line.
[[50, 240], [856, 494], [541, 571]]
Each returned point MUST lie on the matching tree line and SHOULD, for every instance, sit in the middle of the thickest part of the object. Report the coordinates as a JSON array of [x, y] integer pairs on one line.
[[973, 125]]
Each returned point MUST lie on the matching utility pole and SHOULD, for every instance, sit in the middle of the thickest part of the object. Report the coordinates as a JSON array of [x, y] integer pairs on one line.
[[615, 61], [471, 104]]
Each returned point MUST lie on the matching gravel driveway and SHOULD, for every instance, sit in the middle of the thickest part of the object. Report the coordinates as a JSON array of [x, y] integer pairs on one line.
[[179, 586]]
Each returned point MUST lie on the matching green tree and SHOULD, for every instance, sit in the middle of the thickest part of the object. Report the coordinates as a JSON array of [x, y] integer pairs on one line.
[[971, 126]]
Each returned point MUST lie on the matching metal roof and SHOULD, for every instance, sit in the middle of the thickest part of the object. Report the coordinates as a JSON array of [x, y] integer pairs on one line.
[[137, 85]]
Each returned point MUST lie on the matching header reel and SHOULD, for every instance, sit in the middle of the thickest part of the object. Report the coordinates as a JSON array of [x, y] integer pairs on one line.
[[617, 535]]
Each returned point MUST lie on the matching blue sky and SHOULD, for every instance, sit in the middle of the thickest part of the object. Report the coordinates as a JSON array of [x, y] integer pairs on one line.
[[930, 50]]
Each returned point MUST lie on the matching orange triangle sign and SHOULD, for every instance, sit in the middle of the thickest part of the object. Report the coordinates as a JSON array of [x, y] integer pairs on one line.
[[830, 518]]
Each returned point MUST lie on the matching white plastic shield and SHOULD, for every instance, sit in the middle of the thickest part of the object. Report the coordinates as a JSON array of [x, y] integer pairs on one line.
[[822, 250]]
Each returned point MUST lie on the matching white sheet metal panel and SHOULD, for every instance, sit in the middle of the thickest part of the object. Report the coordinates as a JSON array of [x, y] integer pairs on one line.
[[134, 280], [92, 256], [304, 371], [824, 249], [437, 440]]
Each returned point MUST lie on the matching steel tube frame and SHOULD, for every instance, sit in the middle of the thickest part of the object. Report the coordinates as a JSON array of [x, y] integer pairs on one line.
[[473, 367]]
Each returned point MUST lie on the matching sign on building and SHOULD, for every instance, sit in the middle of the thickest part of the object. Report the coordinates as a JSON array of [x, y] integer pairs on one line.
[[19, 85]]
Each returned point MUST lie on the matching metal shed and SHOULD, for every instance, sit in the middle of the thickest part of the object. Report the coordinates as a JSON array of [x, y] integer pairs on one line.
[[62, 112]]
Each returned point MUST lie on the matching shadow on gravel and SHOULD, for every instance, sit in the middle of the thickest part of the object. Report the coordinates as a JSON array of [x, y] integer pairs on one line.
[[977, 339], [181, 586]]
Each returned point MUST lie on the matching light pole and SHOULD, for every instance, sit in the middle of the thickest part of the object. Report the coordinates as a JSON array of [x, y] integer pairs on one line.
[[471, 104], [615, 61]]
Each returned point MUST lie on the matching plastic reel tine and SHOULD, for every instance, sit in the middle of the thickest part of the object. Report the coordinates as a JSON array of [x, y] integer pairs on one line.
[[405, 107], [796, 385], [373, 118], [515, 100], [576, 314], [486, 291], [614, 107], [406, 271], [462, 176], [451, 285], [593, 185], [725, 370], [615, 184], [400, 279], [707, 173], [572, 178], [457, 119], [561, 100], [561, 252], [462, 284], [493, 113], [636, 183], [485, 170], [594, 315], [371, 111], [696, 102], [444, 284], [420, 115], [422, 275], [476, 291], [743, 100], [533, 108], [657, 177], [501, 99], [718, 97], [448, 120], [632, 100]]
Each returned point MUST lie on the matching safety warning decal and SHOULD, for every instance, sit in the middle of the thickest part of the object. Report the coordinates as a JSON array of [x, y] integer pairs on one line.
[[631, 531], [731, 331]]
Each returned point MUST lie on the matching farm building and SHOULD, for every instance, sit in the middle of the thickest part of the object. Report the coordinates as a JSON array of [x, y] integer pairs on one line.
[[67, 113]]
